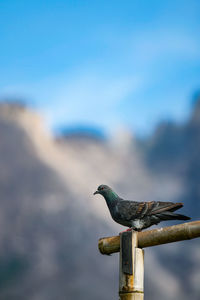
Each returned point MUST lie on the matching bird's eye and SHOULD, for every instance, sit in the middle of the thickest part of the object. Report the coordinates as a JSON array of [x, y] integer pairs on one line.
[[102, 188]]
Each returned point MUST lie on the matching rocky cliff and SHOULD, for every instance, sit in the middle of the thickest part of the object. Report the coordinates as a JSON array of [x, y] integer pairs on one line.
[[50, 222]]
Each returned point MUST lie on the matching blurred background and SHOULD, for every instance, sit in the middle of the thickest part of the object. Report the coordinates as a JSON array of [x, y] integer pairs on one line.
[[95, 92]]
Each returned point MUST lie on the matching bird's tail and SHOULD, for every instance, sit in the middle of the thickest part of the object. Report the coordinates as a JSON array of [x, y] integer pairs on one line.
[[167, 215], [181, 217]]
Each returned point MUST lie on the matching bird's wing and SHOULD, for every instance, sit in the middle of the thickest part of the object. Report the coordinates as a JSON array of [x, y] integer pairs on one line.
[[159, 207], [132, 209]]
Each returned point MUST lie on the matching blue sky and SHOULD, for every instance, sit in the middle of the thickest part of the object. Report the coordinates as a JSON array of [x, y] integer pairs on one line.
[[101, 63]]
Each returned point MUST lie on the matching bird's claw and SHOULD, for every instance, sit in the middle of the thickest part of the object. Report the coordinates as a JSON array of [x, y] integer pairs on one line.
[[129, 229]]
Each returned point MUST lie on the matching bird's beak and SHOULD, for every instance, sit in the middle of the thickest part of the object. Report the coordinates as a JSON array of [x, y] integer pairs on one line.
[[97, 192]]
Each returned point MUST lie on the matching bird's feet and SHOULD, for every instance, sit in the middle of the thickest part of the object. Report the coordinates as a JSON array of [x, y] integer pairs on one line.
[[129, 229]]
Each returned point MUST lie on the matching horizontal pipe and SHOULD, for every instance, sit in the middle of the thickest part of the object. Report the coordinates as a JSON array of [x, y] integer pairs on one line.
[[149, 238]]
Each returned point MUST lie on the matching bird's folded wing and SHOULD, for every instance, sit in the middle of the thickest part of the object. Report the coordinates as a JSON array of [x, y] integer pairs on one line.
[[159, 207], [131, 209]]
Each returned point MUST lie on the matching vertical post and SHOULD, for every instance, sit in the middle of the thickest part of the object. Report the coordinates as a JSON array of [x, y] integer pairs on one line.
[[131, 268]]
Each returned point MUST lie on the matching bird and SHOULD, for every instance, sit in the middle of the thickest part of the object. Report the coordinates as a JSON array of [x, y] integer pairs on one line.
[[138, 215]]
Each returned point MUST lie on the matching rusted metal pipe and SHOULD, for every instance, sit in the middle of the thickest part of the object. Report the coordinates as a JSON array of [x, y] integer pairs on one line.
[[185, 231], [131, 267]]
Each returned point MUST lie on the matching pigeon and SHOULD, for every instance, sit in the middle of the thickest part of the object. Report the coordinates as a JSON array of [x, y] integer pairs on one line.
[[138, 215]]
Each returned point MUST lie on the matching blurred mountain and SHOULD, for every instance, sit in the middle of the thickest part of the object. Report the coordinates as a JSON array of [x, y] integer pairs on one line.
[[50, 222], [174, 149]]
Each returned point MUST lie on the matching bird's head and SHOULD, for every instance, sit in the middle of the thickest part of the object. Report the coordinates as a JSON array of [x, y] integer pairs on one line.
[[103, 190]]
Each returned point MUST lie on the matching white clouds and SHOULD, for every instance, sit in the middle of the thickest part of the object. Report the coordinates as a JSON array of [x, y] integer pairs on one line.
[[149, 48], [89, 97], [137, 79], [158, 44]]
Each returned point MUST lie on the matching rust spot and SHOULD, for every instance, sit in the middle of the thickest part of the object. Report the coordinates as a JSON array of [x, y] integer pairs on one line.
[[128, 283]]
